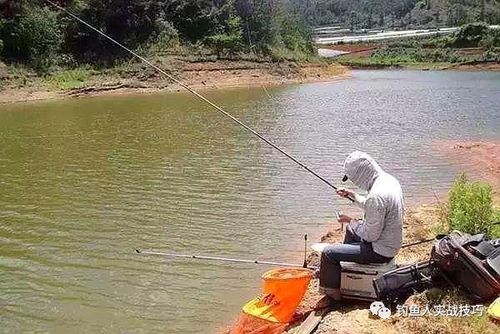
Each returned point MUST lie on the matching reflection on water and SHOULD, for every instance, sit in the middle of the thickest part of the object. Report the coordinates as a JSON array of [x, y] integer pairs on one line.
[[84, 182]]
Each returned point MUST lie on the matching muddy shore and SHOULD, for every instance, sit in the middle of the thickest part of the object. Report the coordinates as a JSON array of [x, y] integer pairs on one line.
[[198, 75]]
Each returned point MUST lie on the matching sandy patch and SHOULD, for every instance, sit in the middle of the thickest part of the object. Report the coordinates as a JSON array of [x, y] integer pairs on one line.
[[479, 159]]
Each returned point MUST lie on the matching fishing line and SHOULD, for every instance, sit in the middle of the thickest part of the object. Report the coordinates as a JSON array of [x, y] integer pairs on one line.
[[201, 97]]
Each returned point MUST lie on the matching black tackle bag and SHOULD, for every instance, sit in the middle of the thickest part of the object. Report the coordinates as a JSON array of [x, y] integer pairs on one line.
[[397, 285], [469, 261]]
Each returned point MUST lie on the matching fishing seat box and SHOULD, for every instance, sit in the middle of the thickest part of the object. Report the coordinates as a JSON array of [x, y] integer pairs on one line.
[[356, 280]]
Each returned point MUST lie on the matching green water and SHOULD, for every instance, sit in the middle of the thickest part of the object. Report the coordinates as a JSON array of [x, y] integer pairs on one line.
[[83, 182]]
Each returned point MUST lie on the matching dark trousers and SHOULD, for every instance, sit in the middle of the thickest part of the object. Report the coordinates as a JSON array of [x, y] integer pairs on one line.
[[352, 250]]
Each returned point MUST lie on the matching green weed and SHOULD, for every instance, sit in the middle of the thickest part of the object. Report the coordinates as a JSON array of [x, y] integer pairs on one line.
[[469, 207], [70, 79]]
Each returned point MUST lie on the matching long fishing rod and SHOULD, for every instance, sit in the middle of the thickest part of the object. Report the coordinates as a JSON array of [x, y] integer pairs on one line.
[[222, 259], [201, 97], [437, 237]]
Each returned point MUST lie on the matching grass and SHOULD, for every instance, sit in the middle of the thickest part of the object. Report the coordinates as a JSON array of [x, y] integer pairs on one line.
[[69, 79], [360, 61], [281, 54], [495, 230]]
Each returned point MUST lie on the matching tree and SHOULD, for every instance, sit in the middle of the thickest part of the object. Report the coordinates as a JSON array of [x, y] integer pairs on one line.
[[471, 35], [230, 37], [129, 22], [32, 34], [194, 19], [262, 19]]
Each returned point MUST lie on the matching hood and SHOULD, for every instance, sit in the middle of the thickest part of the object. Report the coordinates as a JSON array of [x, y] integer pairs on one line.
[[361, 169]]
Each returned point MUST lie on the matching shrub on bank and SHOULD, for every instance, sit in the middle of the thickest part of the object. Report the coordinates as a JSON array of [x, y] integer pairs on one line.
[[391, 55], [470, 207], [68, 79], [470, 35]]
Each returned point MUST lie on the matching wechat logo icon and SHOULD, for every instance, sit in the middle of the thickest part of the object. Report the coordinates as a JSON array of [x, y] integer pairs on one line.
[[379, 309]]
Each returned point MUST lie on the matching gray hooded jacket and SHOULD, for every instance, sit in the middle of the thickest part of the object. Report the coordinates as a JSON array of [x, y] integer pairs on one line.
[[383, 206]]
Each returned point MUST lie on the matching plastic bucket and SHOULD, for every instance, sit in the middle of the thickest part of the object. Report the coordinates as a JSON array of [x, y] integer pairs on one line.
[[283, 290]]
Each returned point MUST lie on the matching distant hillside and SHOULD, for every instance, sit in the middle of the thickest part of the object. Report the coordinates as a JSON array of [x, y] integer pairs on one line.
[[367, 14]]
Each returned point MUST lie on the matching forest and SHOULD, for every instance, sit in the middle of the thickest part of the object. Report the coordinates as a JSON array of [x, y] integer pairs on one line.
[[36, 34], [366, 14]]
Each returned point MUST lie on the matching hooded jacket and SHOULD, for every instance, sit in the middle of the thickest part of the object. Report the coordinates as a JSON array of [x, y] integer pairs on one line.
[[383, 206]]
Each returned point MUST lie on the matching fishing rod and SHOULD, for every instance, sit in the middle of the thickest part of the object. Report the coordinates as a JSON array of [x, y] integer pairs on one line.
[[201, 97], [271, 263], [227, 259], [223, 259], [437, 237]]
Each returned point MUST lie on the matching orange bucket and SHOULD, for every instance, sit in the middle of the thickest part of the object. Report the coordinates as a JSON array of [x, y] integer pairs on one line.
[[283, 288]]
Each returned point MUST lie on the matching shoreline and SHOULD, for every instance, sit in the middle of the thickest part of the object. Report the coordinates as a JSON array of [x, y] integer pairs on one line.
[[214, 75], [197, 75], [465, 67], [358, 56]]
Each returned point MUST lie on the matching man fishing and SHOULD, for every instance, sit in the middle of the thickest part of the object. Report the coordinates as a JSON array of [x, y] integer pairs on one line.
[[375, 239]]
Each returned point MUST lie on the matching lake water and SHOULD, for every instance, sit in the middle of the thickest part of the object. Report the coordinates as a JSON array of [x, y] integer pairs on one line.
[[84, 182]]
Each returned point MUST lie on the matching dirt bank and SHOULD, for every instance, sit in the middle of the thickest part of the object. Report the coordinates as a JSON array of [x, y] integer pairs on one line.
[[199, 75], [489, 66]]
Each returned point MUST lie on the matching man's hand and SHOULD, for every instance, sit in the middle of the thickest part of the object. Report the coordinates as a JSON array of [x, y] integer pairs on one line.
[[346, 193], [344, 219]]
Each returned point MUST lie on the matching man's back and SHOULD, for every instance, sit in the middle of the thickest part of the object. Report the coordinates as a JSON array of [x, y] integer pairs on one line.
[[388, 189]]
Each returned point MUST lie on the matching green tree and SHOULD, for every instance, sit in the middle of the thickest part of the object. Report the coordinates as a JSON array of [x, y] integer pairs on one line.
[[230, 38], [261, 17], [129, 22], [295, 34], [194, 19], [32, 35], [470, 35]]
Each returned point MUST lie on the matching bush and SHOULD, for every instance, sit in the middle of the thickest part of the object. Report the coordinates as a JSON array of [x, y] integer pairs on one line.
[[34, 36], [231, 39], [492, 40], [470, 35], [295, 35], [166, 40], [470, 207], [70, 79]]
